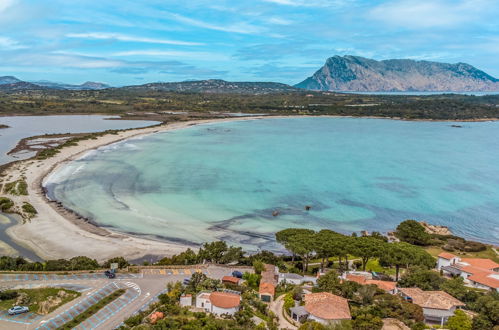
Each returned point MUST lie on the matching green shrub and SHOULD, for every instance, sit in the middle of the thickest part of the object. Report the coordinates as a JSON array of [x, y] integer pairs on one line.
[[5, 204], [28, 208]]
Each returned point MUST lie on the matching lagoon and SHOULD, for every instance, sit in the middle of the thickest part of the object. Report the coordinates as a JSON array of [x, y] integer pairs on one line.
[[225, 180]]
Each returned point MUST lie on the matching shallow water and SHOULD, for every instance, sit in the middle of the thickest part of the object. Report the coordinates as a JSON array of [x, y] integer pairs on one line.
[[224, 180], [21, 127]]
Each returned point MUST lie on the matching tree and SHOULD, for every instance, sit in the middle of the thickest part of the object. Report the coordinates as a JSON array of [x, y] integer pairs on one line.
[[412, 232], [459, 321], [258, 266], [367, 322], [299, 242], [122, 263], [421, 278], [488, 306], [455, 287], [402, 254], [252, 280], [233, 254], [213, 251], [328, 243], [367, 247], [329, 282]]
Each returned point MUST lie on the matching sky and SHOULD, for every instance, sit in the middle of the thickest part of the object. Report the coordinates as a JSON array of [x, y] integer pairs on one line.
[[130, 42]]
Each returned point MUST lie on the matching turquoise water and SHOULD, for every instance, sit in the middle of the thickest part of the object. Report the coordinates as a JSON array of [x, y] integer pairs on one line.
[[224, 180]]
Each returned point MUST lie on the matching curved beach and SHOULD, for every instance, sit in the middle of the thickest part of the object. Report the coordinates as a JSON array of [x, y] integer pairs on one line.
[[58, 233]]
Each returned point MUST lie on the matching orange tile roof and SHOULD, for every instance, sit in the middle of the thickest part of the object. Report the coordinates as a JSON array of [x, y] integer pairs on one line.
[[481, 263], [383, 285], [266, 288], [230, 279], [268, 275], [327, 306], [446, 255], [485, 278], [431, 299], [225, 299]]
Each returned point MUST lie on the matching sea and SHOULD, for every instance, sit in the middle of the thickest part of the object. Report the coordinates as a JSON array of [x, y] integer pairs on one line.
[[241, 181]]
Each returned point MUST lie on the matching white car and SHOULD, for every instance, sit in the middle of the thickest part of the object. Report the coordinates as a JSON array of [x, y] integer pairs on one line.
[[18, 310]]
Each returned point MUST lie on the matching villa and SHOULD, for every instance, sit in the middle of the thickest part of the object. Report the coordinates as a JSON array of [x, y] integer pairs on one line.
[[296, 279], [476, 272], [231, 280], [437, 306], [323, 307], [218, 303]]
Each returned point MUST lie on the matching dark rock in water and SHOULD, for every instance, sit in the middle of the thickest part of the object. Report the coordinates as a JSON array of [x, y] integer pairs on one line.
[[456, 126], [307, 207], [275, 213]]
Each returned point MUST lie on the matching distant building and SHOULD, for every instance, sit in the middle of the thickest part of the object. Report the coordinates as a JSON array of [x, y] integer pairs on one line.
[[388, 286], [218, 303], [476, 272], [323, 307], [437, 306], [268, 283], [295, 279]]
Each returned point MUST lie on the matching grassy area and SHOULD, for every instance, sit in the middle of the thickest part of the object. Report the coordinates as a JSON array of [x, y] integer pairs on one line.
[[373, 265], [37, 296], [92, 310], [488, 254], [19, 187]]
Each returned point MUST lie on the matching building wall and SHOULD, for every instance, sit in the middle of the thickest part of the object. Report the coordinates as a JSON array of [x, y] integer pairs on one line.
[[322, 321], [220, 311], [442, 263], [290, 281], [203, 303]]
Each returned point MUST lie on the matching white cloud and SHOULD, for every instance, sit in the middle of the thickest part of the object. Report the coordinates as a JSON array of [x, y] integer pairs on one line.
[[311, 3], [171, 53], [6, 4], [429, 13], [9, 44], [244, 28], [124, 37]]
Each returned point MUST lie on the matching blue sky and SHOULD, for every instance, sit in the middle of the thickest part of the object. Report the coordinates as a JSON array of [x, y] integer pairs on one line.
[[133, 42]]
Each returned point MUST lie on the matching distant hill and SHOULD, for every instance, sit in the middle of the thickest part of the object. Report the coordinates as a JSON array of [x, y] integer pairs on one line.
[[8, 80], [359, 74], [20, 86], [217, 86]]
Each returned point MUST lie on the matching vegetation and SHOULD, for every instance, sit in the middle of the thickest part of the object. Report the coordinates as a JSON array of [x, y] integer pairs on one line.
[[92, 310], [459, 321], [33, 298], [5, 204], [412, 232], [19, 187], [28, 208], [137, 102], [75, 263]]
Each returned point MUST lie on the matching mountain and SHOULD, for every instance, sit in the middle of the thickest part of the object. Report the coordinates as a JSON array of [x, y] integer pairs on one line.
[[20, 86], [8, 80], [359, 74], [217, 86], [89, 85]]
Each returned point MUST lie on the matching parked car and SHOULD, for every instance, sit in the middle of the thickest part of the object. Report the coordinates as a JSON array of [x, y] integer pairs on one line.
[[187, 281], [18, 310], [109, 274], [237, 274]]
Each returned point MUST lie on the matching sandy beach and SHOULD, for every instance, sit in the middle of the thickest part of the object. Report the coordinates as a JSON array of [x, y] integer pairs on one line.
[[58, 233]]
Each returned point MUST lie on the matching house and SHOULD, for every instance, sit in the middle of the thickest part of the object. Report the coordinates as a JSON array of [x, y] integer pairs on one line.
[[322, 307], [387, 286], [218, 303], [476, 272], [231, 280], [437, 306], [295, 279], [268, 283], [186, 300]]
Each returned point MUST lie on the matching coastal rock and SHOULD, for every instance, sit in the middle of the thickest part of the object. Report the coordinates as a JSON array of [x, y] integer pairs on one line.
[[435, 229], [45, 306], [359, 74]]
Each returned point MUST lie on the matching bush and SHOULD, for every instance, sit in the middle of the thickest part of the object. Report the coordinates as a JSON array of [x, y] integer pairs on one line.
[[28, 208], [5, 204], [7, 295], [459, 321], [412, 232], [288, 302]]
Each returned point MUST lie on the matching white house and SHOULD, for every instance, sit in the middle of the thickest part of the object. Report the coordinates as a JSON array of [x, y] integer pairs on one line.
[[186, 300], [476, 272], [295, 279], [218, 303], [437, 306]]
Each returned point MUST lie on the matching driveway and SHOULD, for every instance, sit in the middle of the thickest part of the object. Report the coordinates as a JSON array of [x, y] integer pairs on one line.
[[277, 308]]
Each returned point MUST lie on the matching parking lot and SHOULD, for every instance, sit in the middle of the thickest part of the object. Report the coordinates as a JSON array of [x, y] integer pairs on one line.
[[26, 318], [55, 277]]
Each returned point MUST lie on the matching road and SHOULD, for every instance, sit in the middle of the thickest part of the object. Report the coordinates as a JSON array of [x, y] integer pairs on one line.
[[276, 308], [141, 290]]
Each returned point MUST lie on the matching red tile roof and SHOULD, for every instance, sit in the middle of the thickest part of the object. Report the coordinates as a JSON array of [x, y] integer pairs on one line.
[[327, 306], [383, 285], [480, 263], [225, 299], [266, 288], [446, 255], [431, 299], [486, 279], [231, 279]]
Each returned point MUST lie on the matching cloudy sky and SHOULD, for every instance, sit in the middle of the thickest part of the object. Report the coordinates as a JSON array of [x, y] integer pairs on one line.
[[134, 42]]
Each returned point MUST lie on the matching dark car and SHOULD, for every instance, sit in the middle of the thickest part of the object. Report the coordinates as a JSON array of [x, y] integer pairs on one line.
[[237, 274], [187, 281], [109, 274]]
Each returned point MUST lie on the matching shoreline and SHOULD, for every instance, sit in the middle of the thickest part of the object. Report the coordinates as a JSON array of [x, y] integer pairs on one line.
[[56, 232]]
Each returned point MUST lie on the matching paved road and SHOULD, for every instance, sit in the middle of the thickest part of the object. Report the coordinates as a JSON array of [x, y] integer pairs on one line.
[[141, 290], [277, 307]]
